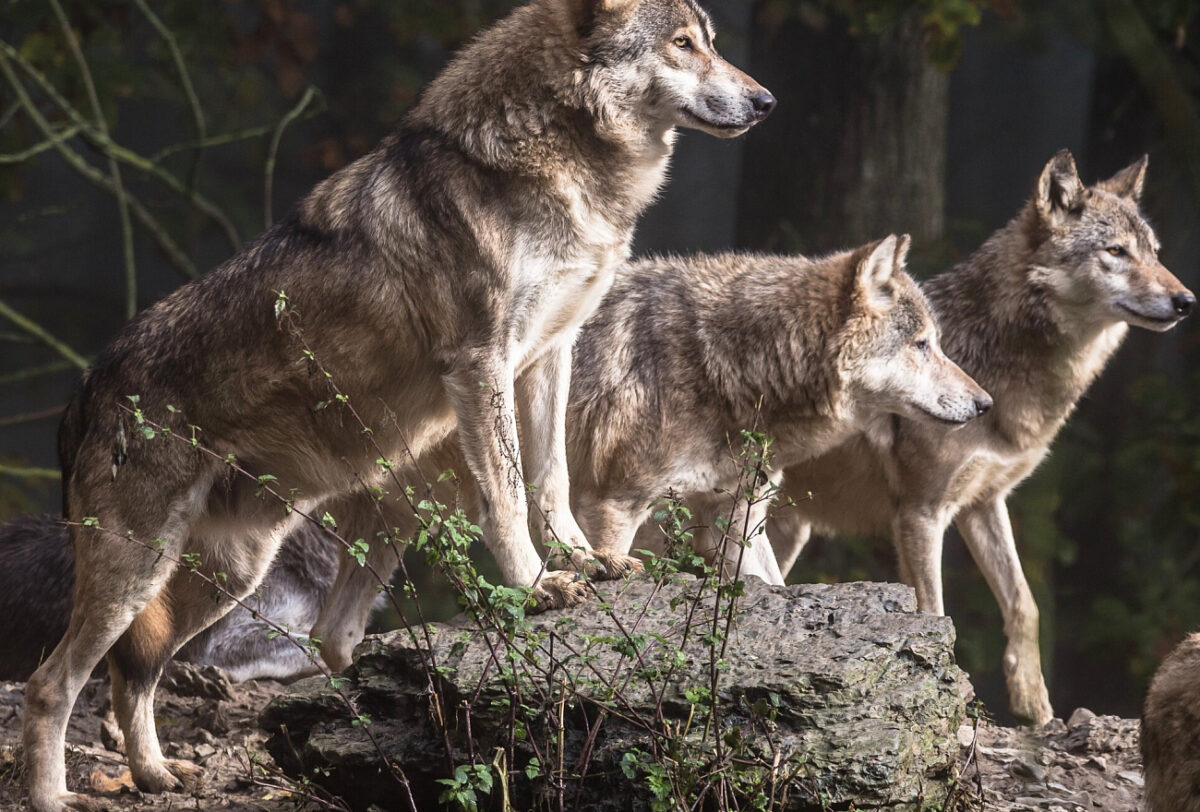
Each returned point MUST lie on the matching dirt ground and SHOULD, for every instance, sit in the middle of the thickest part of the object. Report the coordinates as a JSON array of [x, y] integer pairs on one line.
[[1088, 763]]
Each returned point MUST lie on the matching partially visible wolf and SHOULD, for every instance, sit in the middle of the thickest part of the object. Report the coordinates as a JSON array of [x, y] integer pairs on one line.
[[441, 278], [683, 354], [37, 575], [1170, 739], [1033, 316]]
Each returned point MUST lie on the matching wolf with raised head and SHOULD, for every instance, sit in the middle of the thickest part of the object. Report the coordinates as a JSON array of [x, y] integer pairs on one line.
[[439, 281], [1033, 316]]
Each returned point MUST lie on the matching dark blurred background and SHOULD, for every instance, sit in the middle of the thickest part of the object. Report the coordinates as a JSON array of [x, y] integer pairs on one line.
[[931, 117]]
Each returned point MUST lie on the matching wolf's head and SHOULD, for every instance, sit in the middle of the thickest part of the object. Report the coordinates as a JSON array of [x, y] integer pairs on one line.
[[891, 358], [1098, 257], [655, 59]]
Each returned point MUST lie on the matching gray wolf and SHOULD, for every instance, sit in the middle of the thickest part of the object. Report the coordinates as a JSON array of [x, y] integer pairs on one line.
[[683, 354], [1170, 739], [440, 280], [37, 576], [1033, 315]]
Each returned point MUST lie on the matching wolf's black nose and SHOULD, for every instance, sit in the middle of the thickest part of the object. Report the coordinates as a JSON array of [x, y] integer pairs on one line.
[[1183, 303], [763, 103], [982, 405]]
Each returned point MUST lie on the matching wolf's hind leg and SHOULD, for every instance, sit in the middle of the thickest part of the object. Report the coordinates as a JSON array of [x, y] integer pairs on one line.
[[234, 561], [988, 534], [789, 536], [115, 579], [342, 623]]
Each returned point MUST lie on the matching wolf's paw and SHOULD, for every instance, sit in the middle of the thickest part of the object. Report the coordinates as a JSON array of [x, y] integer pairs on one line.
[[596, 564], [68, 802], [1027, 695], [558, 590], [1033, 706], [611, 566], [172, 775]]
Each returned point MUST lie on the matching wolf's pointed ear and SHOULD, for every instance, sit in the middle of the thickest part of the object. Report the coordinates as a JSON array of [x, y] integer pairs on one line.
[[1059, 189], [902, 246], [1129, 181], [875, 269]]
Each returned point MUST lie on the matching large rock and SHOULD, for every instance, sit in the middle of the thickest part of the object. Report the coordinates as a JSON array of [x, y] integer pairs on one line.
[[827, 697]]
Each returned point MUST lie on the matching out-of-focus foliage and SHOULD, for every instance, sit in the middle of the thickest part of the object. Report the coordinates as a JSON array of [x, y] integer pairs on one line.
[[1155, 596], [943, 20]]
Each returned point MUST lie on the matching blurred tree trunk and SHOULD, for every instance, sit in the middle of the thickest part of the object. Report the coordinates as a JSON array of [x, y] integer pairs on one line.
[[856, 149]]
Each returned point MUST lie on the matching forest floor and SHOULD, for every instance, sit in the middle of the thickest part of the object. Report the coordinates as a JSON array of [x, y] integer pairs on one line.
[[1088, 763]]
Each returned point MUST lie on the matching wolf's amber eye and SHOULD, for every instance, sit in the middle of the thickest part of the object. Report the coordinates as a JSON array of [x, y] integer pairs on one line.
[[683, 42], [1115, 250], [922, 345]]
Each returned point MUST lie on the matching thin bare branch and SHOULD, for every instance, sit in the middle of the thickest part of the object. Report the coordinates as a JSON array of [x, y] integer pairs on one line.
[[32, 417], [8, 114], [176, 255], [41, 334], [227, 138], [30, 473], [103, 142], [40, 147], [269, 183], [185, 79], [114, 169]]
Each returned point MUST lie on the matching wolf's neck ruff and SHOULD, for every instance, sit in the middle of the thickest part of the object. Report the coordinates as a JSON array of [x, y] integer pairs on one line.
[[568, 123]]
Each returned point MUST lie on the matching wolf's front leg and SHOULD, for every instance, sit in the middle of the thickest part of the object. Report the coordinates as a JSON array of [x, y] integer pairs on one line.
[[917, 536], [988, 533], [542, 394], [482, 393]]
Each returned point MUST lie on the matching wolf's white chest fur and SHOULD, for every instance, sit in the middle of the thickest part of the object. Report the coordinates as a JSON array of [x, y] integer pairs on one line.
[[558, 286]]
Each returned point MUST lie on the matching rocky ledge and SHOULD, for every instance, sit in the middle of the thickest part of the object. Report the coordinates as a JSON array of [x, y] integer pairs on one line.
[[827, 697]]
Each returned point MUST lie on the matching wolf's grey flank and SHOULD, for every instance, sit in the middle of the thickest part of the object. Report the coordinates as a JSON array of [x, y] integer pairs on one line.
[[441, 279]]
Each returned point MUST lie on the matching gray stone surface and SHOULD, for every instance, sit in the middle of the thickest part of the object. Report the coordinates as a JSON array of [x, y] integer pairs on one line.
[[842, 695]]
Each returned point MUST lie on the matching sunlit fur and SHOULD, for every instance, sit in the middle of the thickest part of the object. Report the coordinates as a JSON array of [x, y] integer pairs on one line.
[[1033, 316]]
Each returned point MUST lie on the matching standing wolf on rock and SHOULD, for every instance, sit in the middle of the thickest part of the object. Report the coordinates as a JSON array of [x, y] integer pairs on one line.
[[1033, 316], [441, 279]]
